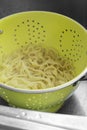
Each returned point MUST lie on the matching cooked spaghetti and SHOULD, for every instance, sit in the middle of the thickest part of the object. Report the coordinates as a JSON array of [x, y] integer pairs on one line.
[[35, 67]]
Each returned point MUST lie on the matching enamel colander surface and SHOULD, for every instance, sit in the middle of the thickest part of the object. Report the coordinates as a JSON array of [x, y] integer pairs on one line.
[[51, 30]]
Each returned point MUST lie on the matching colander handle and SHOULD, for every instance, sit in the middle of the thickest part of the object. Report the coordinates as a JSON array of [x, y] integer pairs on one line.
[[84, 78]]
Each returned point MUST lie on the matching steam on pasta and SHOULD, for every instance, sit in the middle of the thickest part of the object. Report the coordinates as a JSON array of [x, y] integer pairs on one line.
[[35, 67]]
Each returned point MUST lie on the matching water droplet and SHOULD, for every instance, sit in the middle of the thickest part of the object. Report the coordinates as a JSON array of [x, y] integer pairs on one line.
[[40, 116], [24, 114], [18, 116], [29, 118]]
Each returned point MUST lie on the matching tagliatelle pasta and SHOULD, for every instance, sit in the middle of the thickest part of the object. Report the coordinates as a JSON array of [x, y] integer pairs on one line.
[[35, 67]]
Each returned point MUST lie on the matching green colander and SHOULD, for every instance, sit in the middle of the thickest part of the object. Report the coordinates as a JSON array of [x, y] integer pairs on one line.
[[51, 30]]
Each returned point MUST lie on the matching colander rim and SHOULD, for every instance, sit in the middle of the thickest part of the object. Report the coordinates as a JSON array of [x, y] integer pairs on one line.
[[56, 88], [42, 11]]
